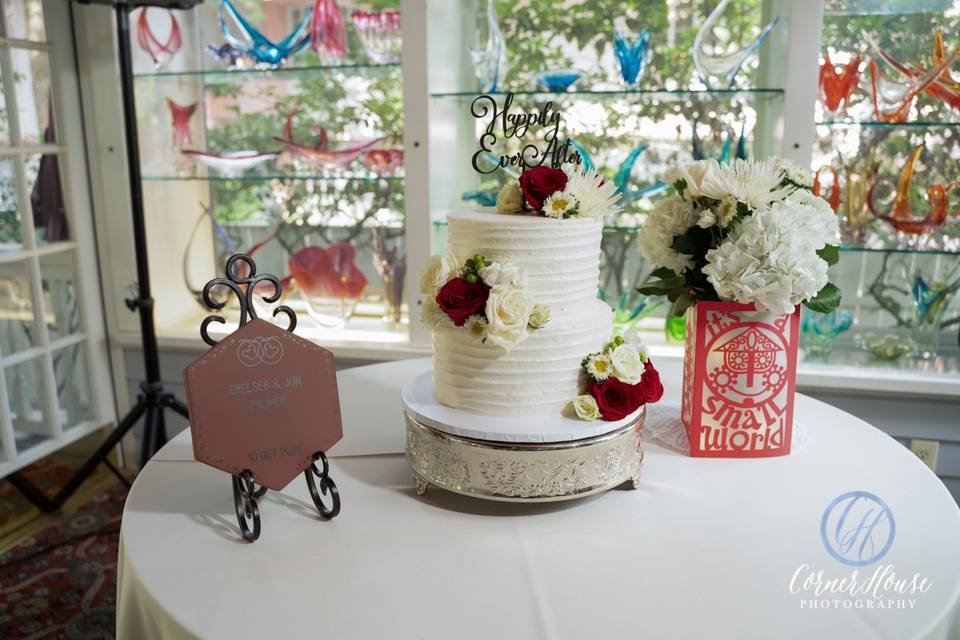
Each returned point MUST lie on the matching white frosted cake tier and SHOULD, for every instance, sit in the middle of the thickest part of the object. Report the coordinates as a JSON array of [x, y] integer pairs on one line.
[[560, 257], [538, 376], [420, 403]]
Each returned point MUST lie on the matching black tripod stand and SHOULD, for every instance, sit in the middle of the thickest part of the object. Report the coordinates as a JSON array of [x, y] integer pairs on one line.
[[153, 400]]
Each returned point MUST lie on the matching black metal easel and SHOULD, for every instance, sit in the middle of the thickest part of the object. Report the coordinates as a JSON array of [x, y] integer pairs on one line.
[[153, 399]]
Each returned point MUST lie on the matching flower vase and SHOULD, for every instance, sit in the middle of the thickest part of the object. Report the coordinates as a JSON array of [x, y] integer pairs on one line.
[[739, 380]]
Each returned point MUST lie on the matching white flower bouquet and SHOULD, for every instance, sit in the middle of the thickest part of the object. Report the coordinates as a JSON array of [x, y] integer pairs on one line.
[[749, 232]]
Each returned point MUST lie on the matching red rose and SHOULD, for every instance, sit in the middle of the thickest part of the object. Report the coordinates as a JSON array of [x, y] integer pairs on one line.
[[539, 182], [650, 387], [616, 399], [460, 299]]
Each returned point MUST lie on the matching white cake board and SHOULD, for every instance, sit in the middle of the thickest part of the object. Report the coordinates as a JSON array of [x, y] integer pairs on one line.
[[420, 402]]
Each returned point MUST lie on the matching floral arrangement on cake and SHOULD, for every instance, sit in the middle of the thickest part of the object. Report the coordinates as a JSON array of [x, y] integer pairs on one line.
[[749, 231], [559, 193], [619, 379], [488, 299]]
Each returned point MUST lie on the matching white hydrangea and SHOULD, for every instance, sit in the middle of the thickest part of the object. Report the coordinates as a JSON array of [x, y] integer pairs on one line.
[[755, 183], [670, 218], [770, 258]]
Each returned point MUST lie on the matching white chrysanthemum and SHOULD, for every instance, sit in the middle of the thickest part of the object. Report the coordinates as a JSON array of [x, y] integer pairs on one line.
[[597, 198], [476, 328], [599, 366], [792, 170], [432, 316], [560, 205], [769, 260], [670, 218], [755, 183], [693, 176]]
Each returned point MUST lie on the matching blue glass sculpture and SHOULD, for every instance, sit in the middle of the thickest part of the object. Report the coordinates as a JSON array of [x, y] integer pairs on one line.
[[557, 79], [723, 67], [490, 63], [820, 329], [254, 44], [630, 308], [698, 152], [630, 52], [482, 198]]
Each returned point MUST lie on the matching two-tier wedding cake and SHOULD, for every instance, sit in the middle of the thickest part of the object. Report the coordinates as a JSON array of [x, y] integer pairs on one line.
[[531, 396]]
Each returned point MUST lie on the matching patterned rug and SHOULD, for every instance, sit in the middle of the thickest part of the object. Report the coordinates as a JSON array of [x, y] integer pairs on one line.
[[62, 581], [48, 475]]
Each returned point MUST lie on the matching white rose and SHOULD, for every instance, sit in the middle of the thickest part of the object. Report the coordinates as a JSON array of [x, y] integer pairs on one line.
[[539, 317], [586, 408], [435, 274], [627, 365], [510, 198], [693, 174], [497, 273], [508, 309]]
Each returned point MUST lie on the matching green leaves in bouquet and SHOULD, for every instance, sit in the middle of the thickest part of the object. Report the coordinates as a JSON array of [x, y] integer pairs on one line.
[[830, 254], [826, 300], [676, 288]]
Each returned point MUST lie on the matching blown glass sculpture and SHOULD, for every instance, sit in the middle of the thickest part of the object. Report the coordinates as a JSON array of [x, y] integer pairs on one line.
[[383, 162], [320, 152], [724, 67], [557, 79], [160, 52], [818, 189], [698, 153], [902, 217], [856, 214], [379, 34], [623, 175], [231, 164], [893, 98], [329, 282], [944, 86], [328, 32], [631, 52], [252, 43], [225, 53], [392, 267], [821, 329], [836, 87], [180, 129], [490, 62]]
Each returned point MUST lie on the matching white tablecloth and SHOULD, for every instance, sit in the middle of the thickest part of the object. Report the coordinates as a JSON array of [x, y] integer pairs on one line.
[[704, 549]]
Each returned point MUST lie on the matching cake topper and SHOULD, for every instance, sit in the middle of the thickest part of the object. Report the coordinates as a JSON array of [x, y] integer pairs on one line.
[[502, 122]]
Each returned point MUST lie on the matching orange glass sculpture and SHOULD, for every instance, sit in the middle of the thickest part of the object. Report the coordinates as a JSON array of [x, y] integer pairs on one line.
[[944, 87], [902, 217], [893, 98], [818, 189], [836, 87]]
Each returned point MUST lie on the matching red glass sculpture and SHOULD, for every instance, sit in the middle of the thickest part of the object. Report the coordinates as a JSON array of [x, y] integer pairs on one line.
[[893, 98], [902, 217], [181, 114], [159, 52], [320, 152], [834, 198], [383, 162], [329, 281], [328, 32], [836, 87]]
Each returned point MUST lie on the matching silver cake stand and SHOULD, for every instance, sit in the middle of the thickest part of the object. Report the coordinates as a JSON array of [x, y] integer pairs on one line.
[[516, 460]]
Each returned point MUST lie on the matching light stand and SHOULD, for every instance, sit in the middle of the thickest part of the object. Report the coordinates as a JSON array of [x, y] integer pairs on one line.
[[153, 399]]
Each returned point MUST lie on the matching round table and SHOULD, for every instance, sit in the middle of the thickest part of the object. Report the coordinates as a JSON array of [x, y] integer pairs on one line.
[[705, 548]]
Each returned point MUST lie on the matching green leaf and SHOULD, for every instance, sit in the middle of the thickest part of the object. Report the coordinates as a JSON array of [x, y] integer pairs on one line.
[[830, 254], [681, 304], [680, 185], [693, 242], [663, 273], [826, 300]]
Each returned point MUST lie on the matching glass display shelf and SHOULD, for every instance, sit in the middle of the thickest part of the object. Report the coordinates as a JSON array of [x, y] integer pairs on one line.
[[665, 95], [916, 124], [271, 176], [268, 72]]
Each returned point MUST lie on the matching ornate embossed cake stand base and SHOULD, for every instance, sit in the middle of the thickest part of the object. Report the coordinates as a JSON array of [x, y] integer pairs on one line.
[[523, 460]]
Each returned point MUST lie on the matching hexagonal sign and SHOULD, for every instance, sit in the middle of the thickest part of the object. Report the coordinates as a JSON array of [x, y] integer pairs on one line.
[[263, 399]]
